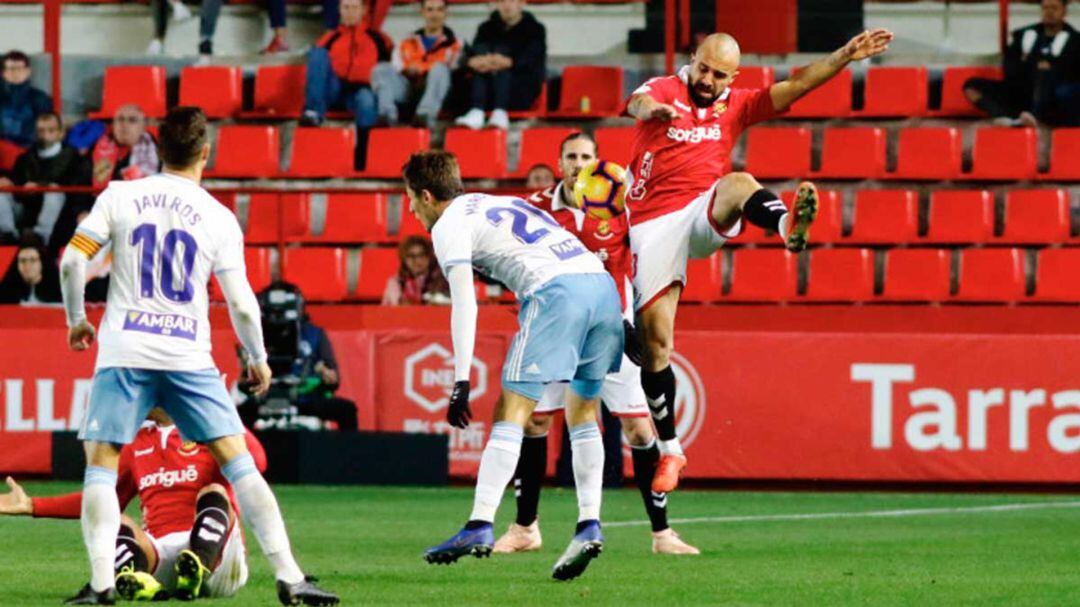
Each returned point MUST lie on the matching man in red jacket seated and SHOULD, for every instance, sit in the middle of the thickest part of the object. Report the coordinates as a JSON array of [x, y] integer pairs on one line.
[[190, 543], [339, 68]]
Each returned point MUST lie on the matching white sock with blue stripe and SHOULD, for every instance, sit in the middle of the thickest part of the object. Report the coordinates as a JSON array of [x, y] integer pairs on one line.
[[587, 447], [260, 509], [497, 466], [100, 520]]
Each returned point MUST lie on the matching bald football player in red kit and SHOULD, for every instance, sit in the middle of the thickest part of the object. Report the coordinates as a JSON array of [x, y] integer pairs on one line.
[[190, 544], [685, 202], [621, 391]]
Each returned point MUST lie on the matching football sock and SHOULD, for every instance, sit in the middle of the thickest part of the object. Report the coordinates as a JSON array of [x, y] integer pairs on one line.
[[764, 210], [128, 552], [659, 389], [529, 478], [497, 466], [645, 458], [211, 528], [100, 521], [261, 512], [581, 525], [587, 448]]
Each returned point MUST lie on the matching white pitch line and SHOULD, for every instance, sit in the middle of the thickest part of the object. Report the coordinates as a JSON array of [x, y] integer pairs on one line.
[[812, 516]]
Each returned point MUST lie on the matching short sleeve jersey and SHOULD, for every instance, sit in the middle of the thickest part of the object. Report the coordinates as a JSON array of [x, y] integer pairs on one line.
[[167, 236], [609, 239], [675, 161], [510, 241]]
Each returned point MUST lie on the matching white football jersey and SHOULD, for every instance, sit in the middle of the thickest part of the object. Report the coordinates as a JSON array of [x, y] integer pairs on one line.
[[167, 235], [510, 241]]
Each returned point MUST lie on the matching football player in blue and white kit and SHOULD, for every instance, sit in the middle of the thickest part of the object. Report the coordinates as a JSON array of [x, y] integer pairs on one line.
[[570, 331], [167, 234]]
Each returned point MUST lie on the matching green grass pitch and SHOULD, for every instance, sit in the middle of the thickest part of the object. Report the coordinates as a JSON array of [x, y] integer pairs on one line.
[[365, 543]]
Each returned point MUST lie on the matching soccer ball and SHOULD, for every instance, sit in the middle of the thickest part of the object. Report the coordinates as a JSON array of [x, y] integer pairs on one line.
[[600, 190]]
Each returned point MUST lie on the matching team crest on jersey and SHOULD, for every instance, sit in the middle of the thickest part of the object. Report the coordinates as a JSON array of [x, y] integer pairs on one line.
[[603, 229], [189, 448], [718, 109]]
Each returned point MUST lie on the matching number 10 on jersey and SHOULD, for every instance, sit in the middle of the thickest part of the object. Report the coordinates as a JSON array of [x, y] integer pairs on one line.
[[171, 275]]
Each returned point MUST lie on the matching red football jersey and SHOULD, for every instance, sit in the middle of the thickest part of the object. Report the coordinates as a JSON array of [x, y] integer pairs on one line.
[[166, 473], [609, 239], [675, 161]]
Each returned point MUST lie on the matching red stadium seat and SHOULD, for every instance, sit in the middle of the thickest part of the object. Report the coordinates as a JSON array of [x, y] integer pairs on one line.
[[540, 146], [1055, 278], [616, 143], [1036, 217], [376, 268], [932, 154], [480, 154], [9, 153], [257, 261], [828, 226], [538, 109], [830, 100], [763, 275], [885, 217], [991, 275], [143, 85], [840, 275], [853, 153], [953, 100], [7, 256], [409, 225], [914, 275], [703, 280], [388, 149], [754, 77], [895, 92], [319, 272], [246, 152], [263, 212], [1004, 154], [353, 218], [217, 89], [601, 86], [778, 152], [322, 152], [1064, 155], [279, 91], [961, 217]]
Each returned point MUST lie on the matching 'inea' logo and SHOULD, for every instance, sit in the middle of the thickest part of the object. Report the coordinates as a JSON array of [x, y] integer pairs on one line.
[[689, 400], [429, 377]]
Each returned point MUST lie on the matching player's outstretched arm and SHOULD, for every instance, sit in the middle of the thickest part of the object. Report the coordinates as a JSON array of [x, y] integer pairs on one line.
[[644, 107], [867, 44], [16, 502], [72, 287], [463, 314], [247, 324]]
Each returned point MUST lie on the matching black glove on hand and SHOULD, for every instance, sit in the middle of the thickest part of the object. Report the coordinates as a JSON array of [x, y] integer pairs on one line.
[[459, 414], [631, 345]]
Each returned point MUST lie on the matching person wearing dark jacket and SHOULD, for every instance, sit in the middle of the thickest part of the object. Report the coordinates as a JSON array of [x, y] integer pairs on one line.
[[1042, 74], [508, 63], [20, 103], [49, 163], [339, 68], [33, 277]]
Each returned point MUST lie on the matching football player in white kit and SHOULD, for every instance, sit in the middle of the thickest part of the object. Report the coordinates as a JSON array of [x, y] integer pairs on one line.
[[570, 331], [167, 234]]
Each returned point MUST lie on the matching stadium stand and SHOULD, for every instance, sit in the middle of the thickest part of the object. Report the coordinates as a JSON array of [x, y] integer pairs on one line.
[[1036, 217], [916, 275], [389, 148], [540, 146], [143, 85], [481, 154], [257, 263], [953, 101], [245, 151], [218, 90], [961, 217], [928, 154], [1056, 276], [852, 153], [322, 152], [279, 91], [1003, 154], [1064, 155], [615, 143], [272, 215], [703, 280], [832, 100], [778, 152], [840, 275], [885, 217], [376, 268], [991, 276], [320, 272], [352, 218], [895, 92], [763, 275], [590, 92], [754, 77]]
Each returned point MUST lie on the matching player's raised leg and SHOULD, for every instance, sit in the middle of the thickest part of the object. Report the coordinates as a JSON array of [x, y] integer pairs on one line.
[[739, 196], [645, 456], [497, 466], [209, 532], [523, 535]]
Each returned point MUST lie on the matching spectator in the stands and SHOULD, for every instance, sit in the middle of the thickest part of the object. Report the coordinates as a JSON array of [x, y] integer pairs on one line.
[[420, 72], [1042, 74], [540, 176], [279, 43], [419, 280], [176, 10], [49, 163], [507, 61], [33, 277], [20, 103], [128, 151]]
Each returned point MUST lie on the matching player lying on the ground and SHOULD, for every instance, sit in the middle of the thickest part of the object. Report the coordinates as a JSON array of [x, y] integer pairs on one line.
[[191, 544], [685, 201], [608, 238], [570, 331], [168, 234]]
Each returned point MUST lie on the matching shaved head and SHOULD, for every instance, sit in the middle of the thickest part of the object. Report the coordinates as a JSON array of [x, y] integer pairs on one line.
[[713, 67]]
